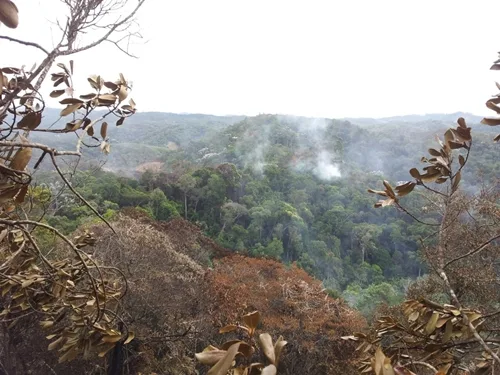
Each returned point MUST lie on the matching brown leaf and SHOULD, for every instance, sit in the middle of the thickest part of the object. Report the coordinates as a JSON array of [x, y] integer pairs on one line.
[[107, 98], [30, 121], [456, 145], [110, 85], [8, 194], [495, 67], [88, 96], [71, 101], [430, 176], [278, 347], [415, 173], [58, 82], [490, 121], [493, 106], [74, 125], [122, 93], [70, 109], [378, 363], [70, 354], [431, 324], [448, 136], [57, 93], [252, 321], [130, 337], [384, 203], [9, 14], [405, 189], [90, 131], [389, 191], [497, 138], [441, 180], [379, 192], [266, 342], [269, 370], [19, 198], [228, 328], [461, 122], [21, 159], [461, 160], [226, 362], [245, 349], [120, 121], [462, 134], [456, 181], [104, 129], [434, 152], [210, 357]]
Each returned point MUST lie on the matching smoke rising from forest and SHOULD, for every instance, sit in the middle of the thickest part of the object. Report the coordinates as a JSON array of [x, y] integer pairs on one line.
[[305, 136]]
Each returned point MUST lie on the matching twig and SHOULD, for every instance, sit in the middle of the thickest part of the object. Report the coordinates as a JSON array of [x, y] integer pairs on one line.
[[54, 162], [414, 217], [425, 364]]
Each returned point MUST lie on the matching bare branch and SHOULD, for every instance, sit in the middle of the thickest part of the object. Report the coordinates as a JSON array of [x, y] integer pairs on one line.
[[105, 37], [29, 44], [54, 162], [481, 247], [39, 146]]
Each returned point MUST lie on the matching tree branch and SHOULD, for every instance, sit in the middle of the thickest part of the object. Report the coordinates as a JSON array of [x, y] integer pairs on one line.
[[39, 146], [54, 162], [29, 44], [481, 247], [105, 36], [20, 223]]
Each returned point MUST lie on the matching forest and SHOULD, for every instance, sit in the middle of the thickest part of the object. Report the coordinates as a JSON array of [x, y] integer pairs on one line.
[[135, 242], [286, 188]]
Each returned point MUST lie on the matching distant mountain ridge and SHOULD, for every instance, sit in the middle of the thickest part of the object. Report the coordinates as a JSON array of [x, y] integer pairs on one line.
[[443, 117]]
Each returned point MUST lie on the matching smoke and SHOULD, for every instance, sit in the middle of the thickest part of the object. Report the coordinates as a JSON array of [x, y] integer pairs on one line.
[[312, 149], [321, 161], [325, 169]]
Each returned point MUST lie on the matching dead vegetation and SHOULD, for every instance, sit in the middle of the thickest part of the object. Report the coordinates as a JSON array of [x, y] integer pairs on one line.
[[175, 304]]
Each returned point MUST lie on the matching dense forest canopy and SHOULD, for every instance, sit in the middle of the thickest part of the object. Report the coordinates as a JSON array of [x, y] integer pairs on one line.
[[283, 187]]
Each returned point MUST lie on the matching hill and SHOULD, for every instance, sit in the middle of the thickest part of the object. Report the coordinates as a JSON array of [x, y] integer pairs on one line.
[[182, 287]]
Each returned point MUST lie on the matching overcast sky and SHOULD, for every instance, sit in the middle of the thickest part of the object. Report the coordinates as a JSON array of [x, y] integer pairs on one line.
[[314, 58]]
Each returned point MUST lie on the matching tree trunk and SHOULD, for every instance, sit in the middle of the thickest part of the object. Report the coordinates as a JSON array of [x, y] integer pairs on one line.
[[185, 206]]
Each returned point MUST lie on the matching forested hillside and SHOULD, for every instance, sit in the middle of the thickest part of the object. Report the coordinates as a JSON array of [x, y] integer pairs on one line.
[[242, 245], [281, 187]]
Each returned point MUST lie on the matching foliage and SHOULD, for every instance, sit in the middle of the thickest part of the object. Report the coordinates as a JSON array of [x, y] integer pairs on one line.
[[223, 359], [74, 297], [460, 333]]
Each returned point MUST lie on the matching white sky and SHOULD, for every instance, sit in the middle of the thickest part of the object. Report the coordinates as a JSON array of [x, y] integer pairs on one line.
[[334, 58]]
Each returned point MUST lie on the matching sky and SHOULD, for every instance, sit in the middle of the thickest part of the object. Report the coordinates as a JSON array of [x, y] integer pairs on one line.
[[312, 58]]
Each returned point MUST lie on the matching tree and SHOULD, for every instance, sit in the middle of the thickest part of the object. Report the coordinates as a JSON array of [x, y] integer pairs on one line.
[[75, 297], [451, 321]]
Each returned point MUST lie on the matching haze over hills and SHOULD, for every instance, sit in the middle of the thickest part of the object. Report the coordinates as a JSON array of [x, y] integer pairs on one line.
[[368, 143]]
